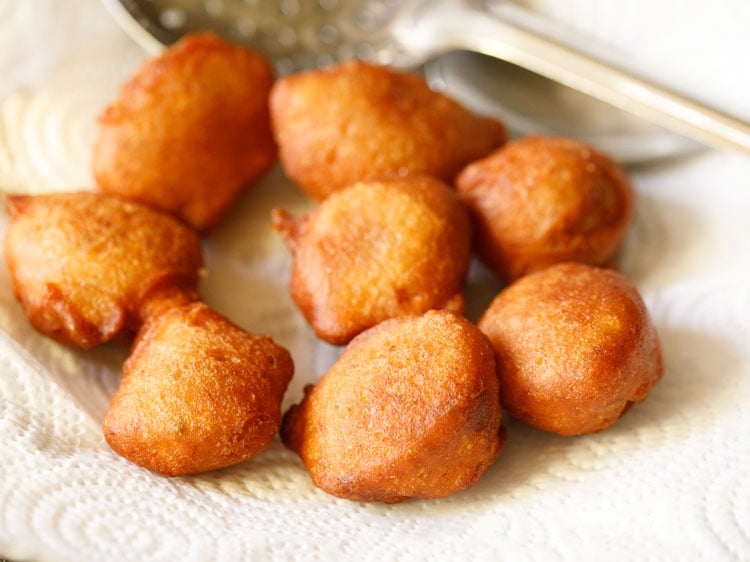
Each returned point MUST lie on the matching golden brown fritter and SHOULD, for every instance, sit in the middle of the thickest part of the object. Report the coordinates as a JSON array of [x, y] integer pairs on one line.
[[574, 348], [410, 410], [377, 250], [356, 121], [544, 200], [198, 393], [190, 131], [84, 264]]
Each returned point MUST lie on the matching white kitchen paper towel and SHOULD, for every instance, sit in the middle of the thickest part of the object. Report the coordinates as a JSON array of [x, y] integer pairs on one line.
[[667, 482]]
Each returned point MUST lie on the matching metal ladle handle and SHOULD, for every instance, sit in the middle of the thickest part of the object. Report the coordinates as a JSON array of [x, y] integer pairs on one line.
[[460, 26]]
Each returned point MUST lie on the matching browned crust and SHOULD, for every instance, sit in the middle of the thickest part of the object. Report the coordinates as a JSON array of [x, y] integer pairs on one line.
[[198, 393], [83, 265], [410, 410], [356, 121], [190, 130], [544, 200], [377, 250], [574, 347]]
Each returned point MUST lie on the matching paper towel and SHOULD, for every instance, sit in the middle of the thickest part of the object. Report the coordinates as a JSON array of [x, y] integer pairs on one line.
[[667, 482]]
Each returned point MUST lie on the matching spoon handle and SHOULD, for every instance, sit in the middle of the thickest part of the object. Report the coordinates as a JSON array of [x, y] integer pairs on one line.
[[459, 25]]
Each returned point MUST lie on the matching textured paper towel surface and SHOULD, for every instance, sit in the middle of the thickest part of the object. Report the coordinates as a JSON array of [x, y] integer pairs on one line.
[[669, 481]]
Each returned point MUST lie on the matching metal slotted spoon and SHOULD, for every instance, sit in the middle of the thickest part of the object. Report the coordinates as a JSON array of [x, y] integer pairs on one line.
[[298, 34]]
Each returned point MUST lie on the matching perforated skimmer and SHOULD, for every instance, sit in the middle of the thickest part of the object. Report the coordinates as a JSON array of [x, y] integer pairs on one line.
[[298, 34]]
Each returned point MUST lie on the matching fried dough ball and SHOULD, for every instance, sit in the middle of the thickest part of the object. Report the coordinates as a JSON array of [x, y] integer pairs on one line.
[[545, 200], [377, 250], [198, 393], [410, 410], [574, 347], [356, 121], [83, 265], [190, 131]]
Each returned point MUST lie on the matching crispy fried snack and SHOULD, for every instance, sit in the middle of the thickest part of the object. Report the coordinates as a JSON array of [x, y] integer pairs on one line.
[[410, 410], [355, 121], [84, 265], [190, 131], [574, 348], [541, 200], [377, 250], [198, 393]]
